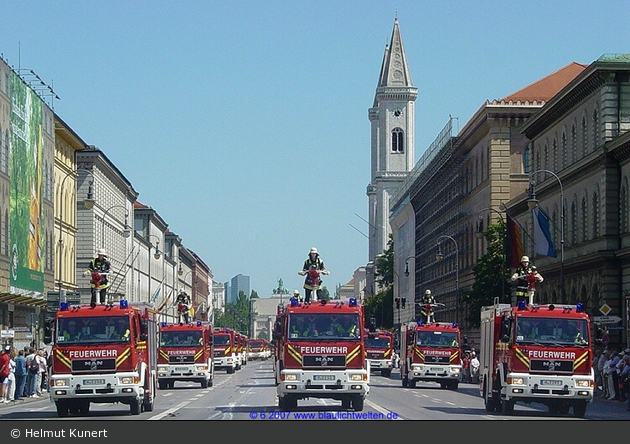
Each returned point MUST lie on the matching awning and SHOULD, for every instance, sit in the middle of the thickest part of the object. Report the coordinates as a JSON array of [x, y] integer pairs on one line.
[[23, 299]]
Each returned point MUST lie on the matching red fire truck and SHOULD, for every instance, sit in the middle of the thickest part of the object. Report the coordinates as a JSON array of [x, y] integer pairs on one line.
[[258, 349], [379, 350], [106, 353], [320, 353], [430, 352], [185, 354], [241, 350], [225, 350], [536, 353]]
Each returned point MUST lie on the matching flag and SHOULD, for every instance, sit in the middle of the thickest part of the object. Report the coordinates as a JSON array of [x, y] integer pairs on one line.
[[157, 293], [514, 247], [163, 304], [542, 236]]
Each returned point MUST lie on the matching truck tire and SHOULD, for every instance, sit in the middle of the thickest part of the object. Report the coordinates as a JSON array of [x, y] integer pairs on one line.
[[62, 408], [134, 407], [405, 381], [162, 385], [507, 407], [386, 373], [487, 399], [579, 409], [452, 385], [204, 383], [412, 383], [345, 404], [230, 370], [84, 408], [357, 403]]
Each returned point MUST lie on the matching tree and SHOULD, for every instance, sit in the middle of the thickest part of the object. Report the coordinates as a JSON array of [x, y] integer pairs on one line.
[[381, 305], [491, 274]]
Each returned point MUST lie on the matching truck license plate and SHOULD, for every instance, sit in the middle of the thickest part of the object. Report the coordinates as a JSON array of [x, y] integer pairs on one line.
[[93, 381], [436, 370], [323, 377], [550, 382], [181, 369]]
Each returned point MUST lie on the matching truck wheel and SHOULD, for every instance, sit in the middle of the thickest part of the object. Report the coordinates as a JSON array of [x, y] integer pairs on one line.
[[412, 383], [84, 407], [134, 407], [487, 400], [211, 382], [162, 385], [73, 407], [62, 408], [147, 403], [204, 383], [230, 370], [345, 403], [579, 409], [386, 373], [357, 403], [508, 407], [171, 384], [452, 385], [405, 381]]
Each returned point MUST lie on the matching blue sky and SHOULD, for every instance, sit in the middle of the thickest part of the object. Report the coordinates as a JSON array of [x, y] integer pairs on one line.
[[244, 123]]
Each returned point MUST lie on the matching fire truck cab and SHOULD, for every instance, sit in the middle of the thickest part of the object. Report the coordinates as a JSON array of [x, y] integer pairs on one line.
[[536, 353], [379, 350], [430, 352], [185, 354], [225, 350], [103, 354], [320, 353]]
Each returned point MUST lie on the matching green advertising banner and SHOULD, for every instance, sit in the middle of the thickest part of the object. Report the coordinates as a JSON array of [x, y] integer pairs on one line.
[[26, 224]]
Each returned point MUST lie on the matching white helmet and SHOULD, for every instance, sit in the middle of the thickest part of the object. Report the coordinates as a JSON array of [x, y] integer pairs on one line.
[[102, 251], [427, 292], [524, 259], [296, 292], [313, 250]]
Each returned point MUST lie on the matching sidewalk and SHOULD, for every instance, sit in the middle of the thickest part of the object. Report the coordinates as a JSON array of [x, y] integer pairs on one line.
[[24, 401]]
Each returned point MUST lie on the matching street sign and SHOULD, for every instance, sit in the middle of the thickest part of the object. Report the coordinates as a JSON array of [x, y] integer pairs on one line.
[[606, 319], [605, 309], [7, 334]]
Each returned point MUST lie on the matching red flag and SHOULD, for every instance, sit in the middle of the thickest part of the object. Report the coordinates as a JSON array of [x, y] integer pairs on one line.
[[514, 247]]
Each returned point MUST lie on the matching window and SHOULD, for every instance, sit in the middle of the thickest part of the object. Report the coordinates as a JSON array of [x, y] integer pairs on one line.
[[584, 216], [595, 130], [574, 153], [595, 212], [573, 235], [398, 142], [584, 137], [623, 207]]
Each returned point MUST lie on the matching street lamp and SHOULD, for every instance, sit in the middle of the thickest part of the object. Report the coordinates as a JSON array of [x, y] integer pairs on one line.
[[156, 255], [407, 265], [532, 203], [126, 230], [87, 202], [480, 235], [439, 256]]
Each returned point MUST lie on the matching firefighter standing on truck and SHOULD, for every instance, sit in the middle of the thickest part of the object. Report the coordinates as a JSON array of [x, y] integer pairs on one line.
[[520, 276], [99, 268]]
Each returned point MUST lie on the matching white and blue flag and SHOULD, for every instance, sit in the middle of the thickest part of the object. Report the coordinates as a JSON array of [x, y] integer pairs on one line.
[[543, 243]]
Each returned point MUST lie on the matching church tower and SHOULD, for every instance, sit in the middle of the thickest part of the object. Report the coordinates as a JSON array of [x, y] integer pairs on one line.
[[392, 118]]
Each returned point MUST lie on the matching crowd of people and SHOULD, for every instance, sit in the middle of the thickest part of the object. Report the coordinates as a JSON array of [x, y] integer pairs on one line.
[[612, 369], [23, 373]]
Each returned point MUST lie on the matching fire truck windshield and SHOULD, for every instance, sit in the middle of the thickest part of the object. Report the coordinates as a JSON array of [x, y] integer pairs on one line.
[[221, 340], [556, 331], [180, 338], [437, 339], [92, 330], [377, 342], [324, 326]]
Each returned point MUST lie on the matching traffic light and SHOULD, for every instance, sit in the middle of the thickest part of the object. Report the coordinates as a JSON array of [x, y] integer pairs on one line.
[[397, 303], [403, 302]]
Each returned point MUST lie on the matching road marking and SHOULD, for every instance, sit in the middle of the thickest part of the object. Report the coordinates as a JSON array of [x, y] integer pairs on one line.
[[169, 411]]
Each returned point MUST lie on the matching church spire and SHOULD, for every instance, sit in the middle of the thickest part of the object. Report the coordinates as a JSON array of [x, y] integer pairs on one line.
[[395, 70]]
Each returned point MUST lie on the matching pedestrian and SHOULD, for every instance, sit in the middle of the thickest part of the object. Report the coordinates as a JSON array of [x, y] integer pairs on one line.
[[41, 361], [597, 373], [624, 376], [20, 375], [31, 377], [474, 368], [99, 269], [43, 371], [5, 368], [611, 374], [466, 367], [311, 283], [11, 377]]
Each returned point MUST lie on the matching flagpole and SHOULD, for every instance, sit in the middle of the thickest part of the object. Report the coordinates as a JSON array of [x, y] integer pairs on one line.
[[532, 203]]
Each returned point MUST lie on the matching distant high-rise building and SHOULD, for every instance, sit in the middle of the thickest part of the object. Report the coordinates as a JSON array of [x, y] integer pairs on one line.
[[237, 284]]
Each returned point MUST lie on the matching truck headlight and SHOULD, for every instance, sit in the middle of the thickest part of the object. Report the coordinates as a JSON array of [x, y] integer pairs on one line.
[[290, 377], [161, 368], [356, 377], [202, 368], [516, 381], [60, 383], [583, 383]]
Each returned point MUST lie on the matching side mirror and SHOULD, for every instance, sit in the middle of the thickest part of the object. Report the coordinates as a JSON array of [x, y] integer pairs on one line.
[[144, 328]]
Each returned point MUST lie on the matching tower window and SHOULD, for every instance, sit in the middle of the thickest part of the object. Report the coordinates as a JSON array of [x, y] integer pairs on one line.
[[398, 141]]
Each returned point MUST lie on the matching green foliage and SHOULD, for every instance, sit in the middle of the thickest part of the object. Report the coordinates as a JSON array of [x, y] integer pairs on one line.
[[491, 275], [381, 305], [236, 315]]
